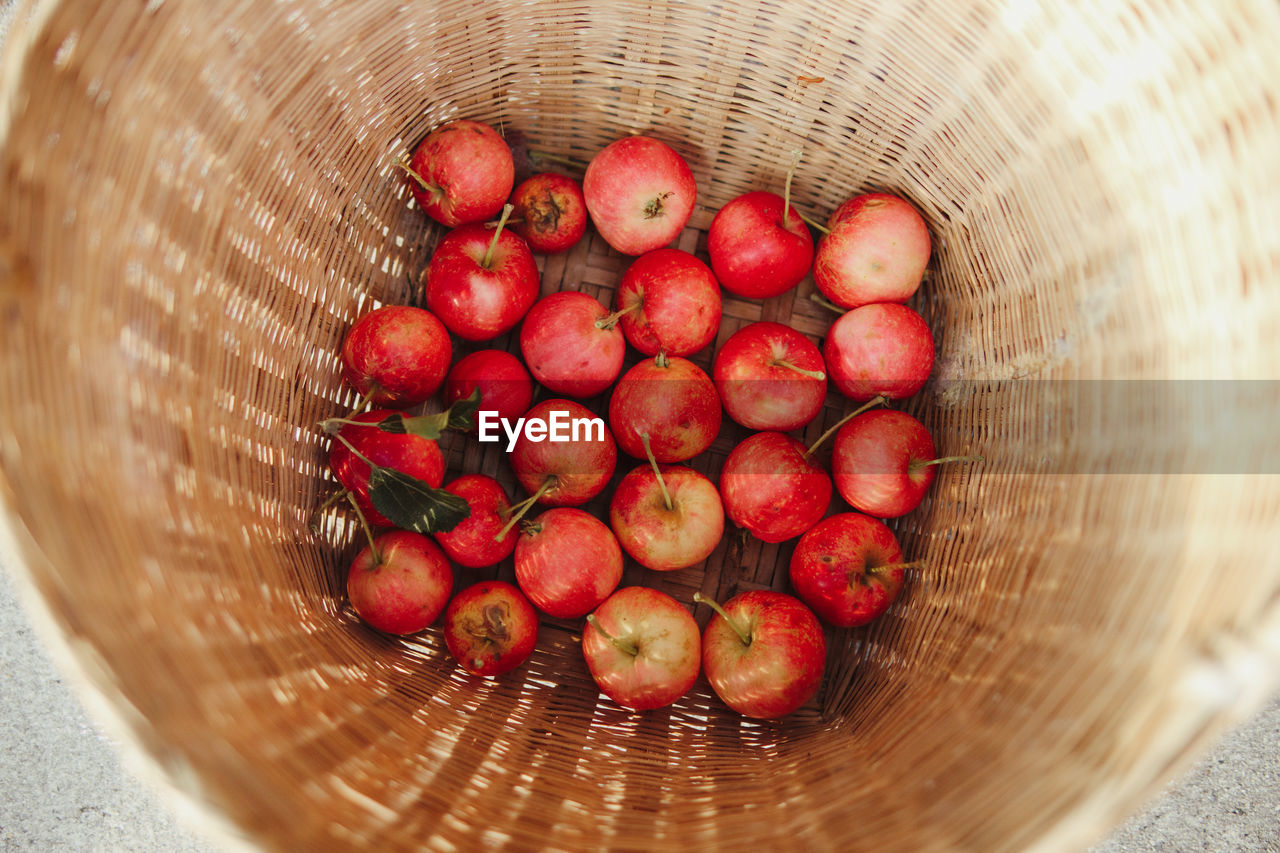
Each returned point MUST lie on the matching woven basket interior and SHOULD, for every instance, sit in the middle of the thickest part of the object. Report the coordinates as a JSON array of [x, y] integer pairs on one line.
[[200, 197]]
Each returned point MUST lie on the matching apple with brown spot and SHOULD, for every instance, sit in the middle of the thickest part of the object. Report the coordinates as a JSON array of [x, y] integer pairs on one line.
[[490, 628], [550, 212]]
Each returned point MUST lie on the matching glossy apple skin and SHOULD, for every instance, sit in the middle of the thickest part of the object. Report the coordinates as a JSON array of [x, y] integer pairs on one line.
[[876, 251], [581, 468], [550, 212], [844, 569], [505, 385], [410, 454], [567, 562], [883, 348], [772, 488], [639, 194], [566, 347], [475, 302], [668, 649], [407, 590], [752, 253], [876, 462], [470, 168], [490, 628], [673, 401], [399, 352], [667, 539], [472, 543], [679, 303], [780, 669], [757, 391]]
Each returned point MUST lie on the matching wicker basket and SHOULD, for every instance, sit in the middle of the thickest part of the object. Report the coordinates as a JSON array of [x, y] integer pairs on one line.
[[198, 198]]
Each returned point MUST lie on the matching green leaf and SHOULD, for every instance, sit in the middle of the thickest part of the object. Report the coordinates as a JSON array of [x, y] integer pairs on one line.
[[461, 413], [412, 504], [457, 416]]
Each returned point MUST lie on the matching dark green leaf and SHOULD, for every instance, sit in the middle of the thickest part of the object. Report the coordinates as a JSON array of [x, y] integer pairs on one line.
[[413, 504], [457, 416], [461, 413]]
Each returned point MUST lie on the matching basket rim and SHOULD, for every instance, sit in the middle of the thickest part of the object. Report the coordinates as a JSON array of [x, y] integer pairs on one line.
[[90, 682]]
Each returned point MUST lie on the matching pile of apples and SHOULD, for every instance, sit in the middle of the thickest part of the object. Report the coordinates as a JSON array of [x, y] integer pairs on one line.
[[763, 651]]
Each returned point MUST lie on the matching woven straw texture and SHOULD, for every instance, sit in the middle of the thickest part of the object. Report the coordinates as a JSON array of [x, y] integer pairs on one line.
[[199, 197]]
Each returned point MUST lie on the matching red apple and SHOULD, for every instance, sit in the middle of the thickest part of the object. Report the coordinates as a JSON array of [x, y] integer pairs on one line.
[[567, 562], [505, 386], [550, 212], [848, 568], [490, 628], [642, 648], [876, 250], [400, 582], [563, 473], [876, 349], [669, 402], [474, 543], [672, 303], [573, 346], [883, 462], [408, 453], [396, 355], [462, 172], [771, 485], [481, 281], [759, 246], [667, 517], [639, 193], [763, 653], [770, 377]]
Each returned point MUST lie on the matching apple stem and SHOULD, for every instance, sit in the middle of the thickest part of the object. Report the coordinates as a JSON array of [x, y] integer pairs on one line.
[[621, 645], [914, 564], [611, 320], [699, 598], [826, 303], [365, 459], [332, 425], [374, 388], [662, 359], [666, 496], [368, 531], [874, 401], [328, 502], [786, 189], [422, 182], [813, 374], [518, 510], [917, 464], [812, 224], [497, 232]]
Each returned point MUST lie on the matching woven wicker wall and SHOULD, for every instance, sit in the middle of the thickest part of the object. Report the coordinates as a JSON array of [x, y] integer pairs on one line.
[[199, 198]]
